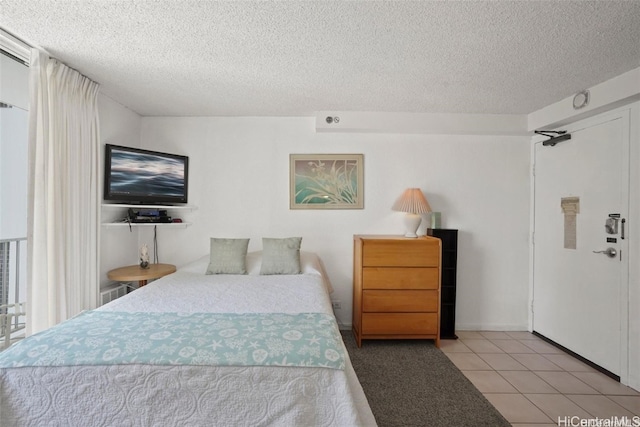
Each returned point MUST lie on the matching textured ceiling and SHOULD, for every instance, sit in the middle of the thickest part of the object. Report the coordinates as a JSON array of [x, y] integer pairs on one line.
[[239, 58]]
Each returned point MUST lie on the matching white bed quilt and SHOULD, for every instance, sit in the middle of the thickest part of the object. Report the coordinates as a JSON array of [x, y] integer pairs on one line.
[[146, 395]]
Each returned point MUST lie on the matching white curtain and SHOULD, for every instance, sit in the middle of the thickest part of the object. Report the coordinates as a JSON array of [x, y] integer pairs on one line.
[[64, 193]]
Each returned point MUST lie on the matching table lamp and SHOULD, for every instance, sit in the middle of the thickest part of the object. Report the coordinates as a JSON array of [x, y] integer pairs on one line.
[[413, 202]]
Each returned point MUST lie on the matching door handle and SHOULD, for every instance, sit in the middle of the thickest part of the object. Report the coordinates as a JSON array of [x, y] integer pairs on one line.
[[610, 252]]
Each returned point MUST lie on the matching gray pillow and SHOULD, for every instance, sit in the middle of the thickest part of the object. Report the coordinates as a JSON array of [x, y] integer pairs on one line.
[[281, 256], [228, 256]]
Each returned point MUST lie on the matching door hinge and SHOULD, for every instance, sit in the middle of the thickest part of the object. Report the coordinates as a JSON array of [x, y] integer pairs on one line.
[[533, 237]]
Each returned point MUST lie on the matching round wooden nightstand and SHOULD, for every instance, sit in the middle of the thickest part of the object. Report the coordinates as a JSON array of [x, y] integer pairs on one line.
[[142, 275]]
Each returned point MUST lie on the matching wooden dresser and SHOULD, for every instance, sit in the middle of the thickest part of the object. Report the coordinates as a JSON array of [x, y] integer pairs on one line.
[[396, 287]]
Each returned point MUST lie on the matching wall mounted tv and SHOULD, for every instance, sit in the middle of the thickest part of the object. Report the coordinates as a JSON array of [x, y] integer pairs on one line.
[[141, 176]]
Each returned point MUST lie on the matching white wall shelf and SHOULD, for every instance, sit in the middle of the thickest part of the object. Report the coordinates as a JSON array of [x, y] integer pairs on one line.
[[148, 224], [114, 213]]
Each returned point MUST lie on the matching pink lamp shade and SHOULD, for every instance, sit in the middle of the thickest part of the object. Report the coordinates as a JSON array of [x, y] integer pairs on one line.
[[413, 202]]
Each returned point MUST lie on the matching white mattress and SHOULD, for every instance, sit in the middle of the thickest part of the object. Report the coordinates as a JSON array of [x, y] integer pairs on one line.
[[145, 395]]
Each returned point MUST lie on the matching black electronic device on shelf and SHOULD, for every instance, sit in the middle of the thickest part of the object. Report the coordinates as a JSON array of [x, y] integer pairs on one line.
[[139, 216]]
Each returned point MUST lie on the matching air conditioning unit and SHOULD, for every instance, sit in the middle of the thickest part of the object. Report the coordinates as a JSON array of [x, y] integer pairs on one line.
[[112, 292]]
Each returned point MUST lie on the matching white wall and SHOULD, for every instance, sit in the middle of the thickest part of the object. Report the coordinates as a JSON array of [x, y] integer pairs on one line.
[[121, 126], [634, 250], [239, 179]]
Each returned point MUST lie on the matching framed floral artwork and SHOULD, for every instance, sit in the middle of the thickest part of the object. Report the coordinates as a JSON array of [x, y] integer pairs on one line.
[[326, 181]]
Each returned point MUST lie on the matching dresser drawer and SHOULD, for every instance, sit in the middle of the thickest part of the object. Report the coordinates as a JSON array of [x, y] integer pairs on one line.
[[400, 278], [399, 301], [399, 323], [401, 253]]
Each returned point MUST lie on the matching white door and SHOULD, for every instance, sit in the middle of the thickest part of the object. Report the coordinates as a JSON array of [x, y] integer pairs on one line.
[[579, 296]]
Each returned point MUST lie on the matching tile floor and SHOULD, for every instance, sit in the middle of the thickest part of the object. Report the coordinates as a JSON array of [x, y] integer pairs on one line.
[[534, 383]]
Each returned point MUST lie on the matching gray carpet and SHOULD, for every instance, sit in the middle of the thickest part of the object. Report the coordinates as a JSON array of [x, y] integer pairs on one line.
[[412, 383]]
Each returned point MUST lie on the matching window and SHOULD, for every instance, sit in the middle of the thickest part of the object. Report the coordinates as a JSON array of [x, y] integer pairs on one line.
[[14, 95]]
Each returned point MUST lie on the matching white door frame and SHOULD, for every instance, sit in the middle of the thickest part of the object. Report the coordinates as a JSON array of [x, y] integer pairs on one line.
[[625, 114]]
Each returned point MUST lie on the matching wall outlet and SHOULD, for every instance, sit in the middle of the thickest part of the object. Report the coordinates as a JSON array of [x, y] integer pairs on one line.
[[337, 305]]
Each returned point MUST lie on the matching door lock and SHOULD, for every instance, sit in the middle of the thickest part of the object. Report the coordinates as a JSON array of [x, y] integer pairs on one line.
[[611, 224], [610, 252]]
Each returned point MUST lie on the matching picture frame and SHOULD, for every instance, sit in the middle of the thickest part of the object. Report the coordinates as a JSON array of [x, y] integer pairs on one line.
[[326, 181]]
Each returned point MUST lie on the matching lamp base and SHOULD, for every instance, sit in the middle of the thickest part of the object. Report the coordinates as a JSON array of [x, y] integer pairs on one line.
[[411, 224]]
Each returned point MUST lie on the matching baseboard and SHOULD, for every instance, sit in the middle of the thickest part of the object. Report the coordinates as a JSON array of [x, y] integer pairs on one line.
[[344, 326], [466, 327], [502, 327]]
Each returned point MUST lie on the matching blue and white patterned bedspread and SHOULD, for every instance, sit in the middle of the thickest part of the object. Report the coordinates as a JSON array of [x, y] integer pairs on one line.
[[116, 338]]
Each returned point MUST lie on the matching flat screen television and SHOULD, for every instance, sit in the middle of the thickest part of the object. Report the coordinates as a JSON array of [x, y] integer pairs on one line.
[[141, 176]]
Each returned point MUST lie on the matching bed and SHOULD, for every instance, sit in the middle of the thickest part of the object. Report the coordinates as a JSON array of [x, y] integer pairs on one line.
[[66, 386]]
